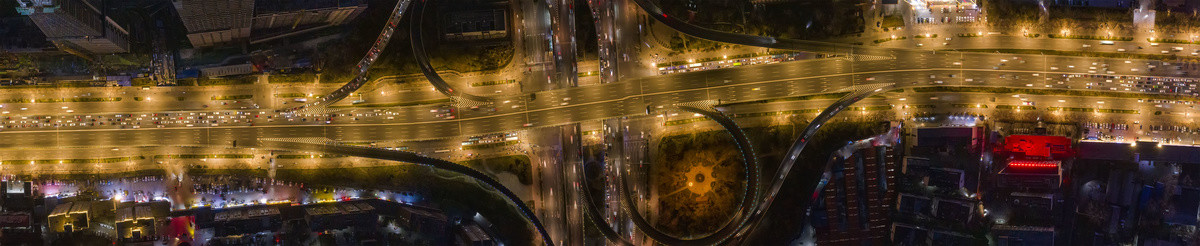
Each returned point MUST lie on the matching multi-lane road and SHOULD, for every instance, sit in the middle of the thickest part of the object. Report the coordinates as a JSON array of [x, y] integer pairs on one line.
[[179, 123], [629, 97]]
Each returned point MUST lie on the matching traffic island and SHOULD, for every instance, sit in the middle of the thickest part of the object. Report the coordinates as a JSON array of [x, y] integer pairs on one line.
[[699, 179]]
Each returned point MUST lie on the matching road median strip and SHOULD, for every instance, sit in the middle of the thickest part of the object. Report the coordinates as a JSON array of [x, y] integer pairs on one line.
[[1088, 37], [489, 145], [232, 97], [308, 156], [1075, 53], [1050, 92], [60, 100], [210, 156], [74, 161], [398, 104], [834, 95], [496, 82]]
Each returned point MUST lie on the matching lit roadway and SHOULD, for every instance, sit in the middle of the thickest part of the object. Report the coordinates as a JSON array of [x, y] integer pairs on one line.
[[629, 97], [904, 68]]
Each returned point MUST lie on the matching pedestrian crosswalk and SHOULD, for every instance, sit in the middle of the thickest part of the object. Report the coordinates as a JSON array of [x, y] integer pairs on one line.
[[462, 102], [870, 58]]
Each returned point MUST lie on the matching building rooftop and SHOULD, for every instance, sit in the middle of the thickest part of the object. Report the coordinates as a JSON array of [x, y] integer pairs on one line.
[[1151, 151], [245, 213], [279, 6], [1186, 206], [1112, 151], [935, 136]]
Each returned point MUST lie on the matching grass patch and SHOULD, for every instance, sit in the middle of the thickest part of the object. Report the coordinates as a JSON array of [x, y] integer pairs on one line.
[[292, 78], [870, 108], [962, 105], [516, 164], [74, 161], [718, 58], [291, 95], [1089, 37], [835, 95], [489, 145], [776, 113], [223, 171], [1103, 110], [684, 121], [59, 100], [399, 104], [1171, 41], [211, 156], [233, 97], [888, 39], [234, 80], [94, 176], [1053, 92], [495, 82], [308, 156], [711, 161], [143, 81], [1016, 107], [892, 21]]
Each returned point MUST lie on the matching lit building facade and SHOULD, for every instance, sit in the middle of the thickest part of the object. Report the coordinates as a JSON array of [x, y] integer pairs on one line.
[[214, 22]]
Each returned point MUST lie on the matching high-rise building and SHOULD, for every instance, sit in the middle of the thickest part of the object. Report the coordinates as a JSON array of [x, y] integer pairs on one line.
[[854, 206], [218, 22], [857, 194], [77, 25], [214, 22]]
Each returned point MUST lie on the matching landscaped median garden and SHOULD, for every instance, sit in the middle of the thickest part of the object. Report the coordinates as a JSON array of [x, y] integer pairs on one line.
[[1054, 92], [1090, 37], [518, 165], [232, 97], [232, 80], [61, 100], [396, 104], [292, 78], [889, 39], [1170, 57], [495, 82]]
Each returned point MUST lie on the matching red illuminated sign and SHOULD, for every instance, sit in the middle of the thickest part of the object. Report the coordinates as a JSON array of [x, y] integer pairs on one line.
[[1033, 164]]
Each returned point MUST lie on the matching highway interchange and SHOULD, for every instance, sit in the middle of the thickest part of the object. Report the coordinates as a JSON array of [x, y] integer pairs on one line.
[[179, 123], [625, 98]]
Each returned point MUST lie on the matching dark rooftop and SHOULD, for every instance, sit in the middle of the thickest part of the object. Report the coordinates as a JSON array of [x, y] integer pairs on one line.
[[277, 6]]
